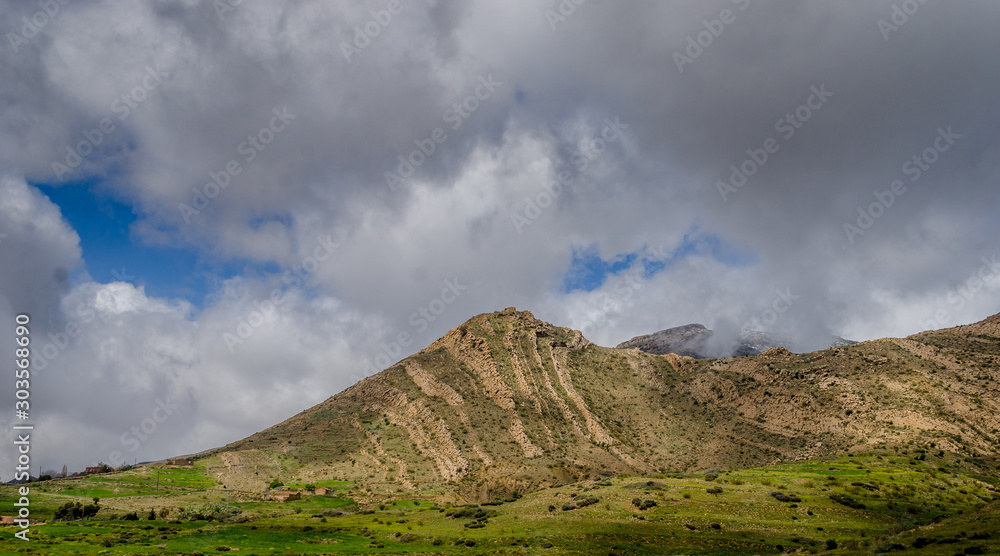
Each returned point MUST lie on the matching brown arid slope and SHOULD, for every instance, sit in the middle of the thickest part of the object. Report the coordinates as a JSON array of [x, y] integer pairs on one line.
[[507, 403]]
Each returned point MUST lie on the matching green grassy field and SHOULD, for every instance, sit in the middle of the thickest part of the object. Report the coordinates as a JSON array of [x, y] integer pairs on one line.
[[917, 503]]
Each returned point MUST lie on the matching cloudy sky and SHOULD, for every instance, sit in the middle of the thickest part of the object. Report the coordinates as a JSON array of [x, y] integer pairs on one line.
[[218, 214]]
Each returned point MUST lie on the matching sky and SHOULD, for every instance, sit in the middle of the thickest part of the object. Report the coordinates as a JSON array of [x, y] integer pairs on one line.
[[218, 214]]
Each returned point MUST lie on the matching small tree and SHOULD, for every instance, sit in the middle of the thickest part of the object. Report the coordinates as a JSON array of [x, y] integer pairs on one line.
[[152, 514]]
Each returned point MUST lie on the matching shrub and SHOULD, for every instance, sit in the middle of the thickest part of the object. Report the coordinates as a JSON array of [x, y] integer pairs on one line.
[[568, 506], [803, 540], [847, 501], [714, 490], [211, 512], [69, 511], [782, 497]]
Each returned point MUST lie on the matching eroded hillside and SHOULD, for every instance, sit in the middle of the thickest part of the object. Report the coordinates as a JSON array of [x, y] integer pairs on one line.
[[508, 403]]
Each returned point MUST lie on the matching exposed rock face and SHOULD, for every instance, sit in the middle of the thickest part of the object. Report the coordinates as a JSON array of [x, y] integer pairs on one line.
[[506, 402]]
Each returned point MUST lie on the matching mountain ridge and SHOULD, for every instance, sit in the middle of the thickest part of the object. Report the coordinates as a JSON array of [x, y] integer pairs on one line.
[[507, 403], [695, 340]]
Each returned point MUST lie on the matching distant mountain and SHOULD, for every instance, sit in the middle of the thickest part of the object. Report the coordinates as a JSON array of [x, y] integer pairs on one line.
[[694, 340], [507, 403]]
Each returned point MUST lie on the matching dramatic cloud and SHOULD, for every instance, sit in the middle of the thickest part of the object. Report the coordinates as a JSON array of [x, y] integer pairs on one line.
[[380, 172]]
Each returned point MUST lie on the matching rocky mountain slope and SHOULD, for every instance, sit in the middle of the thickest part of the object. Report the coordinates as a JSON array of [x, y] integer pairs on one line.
[[508, 403], [694, 340]]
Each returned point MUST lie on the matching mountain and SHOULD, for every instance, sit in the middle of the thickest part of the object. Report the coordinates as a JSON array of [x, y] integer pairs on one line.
[[694, 340], [507, 403]]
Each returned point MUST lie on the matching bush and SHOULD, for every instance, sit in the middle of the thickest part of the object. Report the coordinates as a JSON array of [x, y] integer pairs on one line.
[[847, 501], [568, 506], [782, 497], [211, 512], [275, 484], [714, 490], [831, 544]]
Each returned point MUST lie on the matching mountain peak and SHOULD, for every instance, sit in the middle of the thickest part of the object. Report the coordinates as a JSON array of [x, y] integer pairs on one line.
[[695, 340]]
